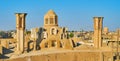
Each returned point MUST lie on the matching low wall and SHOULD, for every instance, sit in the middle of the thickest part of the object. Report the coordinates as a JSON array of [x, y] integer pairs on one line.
[[65, 56]]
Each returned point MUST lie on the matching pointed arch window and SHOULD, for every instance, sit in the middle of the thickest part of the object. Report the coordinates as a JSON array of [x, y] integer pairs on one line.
[[56, 20], [46, 21], [53, 31], [20, 22], [51, 20]]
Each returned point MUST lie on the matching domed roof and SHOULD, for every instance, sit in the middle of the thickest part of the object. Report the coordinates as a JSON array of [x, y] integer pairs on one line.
[[51, 12]]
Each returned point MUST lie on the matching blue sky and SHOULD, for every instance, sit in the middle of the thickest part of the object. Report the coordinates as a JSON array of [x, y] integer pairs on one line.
[[74, 14]]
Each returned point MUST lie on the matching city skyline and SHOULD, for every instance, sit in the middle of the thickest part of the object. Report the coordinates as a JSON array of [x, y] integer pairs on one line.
[[75, 15]]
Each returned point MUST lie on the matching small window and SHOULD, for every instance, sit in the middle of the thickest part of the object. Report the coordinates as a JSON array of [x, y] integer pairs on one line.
[[53, 31], [61, 36], [51, 21], [20, 22], [53, 43], [46, 21], [55, 20]]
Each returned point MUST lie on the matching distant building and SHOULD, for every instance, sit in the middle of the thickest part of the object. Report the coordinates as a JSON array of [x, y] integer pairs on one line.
[[105, 30]]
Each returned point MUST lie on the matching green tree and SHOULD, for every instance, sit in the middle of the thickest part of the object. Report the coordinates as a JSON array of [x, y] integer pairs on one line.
[[71, 35]]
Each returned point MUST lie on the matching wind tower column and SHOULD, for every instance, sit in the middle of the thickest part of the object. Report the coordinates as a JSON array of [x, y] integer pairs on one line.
[[20, 27], [98, 24]]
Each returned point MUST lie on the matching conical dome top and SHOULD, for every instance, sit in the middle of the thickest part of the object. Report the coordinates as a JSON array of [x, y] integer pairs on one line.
[[50, 19], [51, 12]]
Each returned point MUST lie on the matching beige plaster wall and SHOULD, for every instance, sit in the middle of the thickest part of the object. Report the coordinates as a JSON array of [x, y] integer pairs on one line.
[[65, 56]]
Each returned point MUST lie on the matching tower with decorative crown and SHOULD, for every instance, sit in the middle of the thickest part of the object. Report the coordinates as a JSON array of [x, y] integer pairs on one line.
[[20, 27], [98, 21]]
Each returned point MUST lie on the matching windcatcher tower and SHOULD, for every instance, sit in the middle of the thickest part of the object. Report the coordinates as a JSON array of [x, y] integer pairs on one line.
[[20, 27], [98, 24], [50, 19]]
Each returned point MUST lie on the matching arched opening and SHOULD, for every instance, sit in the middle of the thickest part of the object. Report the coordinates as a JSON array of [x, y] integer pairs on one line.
[[46, 21], [46, 45], [61, 36], [55, 19], [20, 23], [63, 30], [53, 31], [53, 43], [51, 21]]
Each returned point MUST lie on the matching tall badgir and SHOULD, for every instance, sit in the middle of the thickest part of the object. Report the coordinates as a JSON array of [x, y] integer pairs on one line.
[[20, 27], [53, 35]]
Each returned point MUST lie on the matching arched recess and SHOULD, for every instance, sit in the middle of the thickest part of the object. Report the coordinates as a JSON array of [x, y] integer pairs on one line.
[[53, 31], [53, 42]]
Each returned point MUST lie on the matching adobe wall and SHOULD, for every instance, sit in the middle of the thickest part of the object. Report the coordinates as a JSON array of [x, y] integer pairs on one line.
[[65, 56]]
